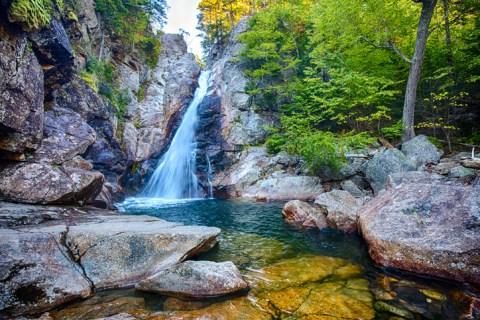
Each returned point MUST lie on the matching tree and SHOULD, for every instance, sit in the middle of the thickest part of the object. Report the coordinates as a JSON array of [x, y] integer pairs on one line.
[[415, 67]]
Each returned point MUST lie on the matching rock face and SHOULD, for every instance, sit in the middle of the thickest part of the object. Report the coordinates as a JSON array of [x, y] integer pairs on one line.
[[153, 120], [421, 151], [340, 208], [196, 279], [263, 177], [52, 47], [285, 187], [229, 120], [65, 135], [51, 255], [385, 163], [21, 95], [428, 227]]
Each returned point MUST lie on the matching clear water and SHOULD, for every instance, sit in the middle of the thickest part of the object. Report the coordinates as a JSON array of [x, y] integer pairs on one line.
[[280, 261], [254, 236], [175, 177]]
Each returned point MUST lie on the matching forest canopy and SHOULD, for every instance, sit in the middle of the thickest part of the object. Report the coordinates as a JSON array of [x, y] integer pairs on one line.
[[340, 67]]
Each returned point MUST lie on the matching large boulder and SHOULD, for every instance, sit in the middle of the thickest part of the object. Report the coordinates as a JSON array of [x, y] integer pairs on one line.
[[385, 163], [60, 254], [421, 151], [285, 187], [196, 279], [123, 250], [48, 184], [296, 211], [65, 136], [430, 227], [340, 209], [21, 95]]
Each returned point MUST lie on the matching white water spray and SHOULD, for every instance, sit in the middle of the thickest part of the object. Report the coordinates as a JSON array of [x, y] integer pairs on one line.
[[175, 176]]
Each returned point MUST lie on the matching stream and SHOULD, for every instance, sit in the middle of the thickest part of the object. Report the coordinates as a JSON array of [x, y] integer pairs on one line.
[[293, 273]]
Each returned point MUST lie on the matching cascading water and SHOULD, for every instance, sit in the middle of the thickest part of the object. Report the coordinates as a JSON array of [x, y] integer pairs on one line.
[[209, 180], [175, 176]]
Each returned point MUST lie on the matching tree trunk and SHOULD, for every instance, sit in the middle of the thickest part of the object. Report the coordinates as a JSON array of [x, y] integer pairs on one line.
[[414, 76]]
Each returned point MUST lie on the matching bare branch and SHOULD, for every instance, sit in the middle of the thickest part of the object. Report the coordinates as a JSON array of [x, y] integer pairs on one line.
[[390, 45], [398, 52]]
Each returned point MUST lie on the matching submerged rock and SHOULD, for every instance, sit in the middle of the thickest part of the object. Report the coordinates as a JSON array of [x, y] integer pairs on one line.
[[96, 308], [236, 309], [195, 279], [312, 287], [430, 227]]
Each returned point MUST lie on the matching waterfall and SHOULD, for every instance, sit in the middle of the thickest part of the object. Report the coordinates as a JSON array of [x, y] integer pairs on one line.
[[175, 177], [209, 172]]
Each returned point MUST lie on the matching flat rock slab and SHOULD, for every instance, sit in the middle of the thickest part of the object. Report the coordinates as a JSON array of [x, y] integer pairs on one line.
[[123, 250], [430, 227], [45, 263], [196, 279]]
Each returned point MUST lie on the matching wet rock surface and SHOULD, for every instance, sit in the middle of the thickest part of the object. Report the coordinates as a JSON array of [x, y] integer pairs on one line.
[[428, 227], [52, 255], [195, 279]]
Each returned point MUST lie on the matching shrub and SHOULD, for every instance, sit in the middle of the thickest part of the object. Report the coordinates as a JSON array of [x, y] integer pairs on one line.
[[32, 14], [275, 143]]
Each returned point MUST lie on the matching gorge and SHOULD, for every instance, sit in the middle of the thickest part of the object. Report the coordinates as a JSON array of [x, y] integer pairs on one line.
[[114, 169]]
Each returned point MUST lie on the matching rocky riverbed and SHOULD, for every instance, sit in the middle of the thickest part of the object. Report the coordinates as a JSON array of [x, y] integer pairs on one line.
[[53, 255]]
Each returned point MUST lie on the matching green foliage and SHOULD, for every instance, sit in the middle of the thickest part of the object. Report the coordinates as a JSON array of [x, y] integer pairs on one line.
[[335, 66], [392, 132], [32, 14], [150, 48], [275, 143], [101, 77], [325, 152], [435, 142], [129, 21], [89, 78]]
